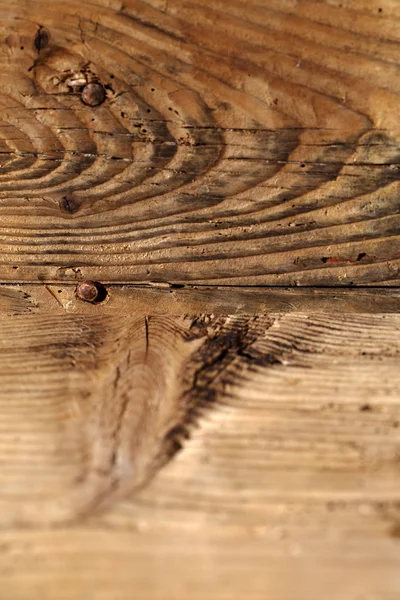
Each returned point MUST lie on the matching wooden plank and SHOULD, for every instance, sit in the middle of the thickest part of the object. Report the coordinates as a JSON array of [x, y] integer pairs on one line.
[[251, 143], [148, 560], [166, 299], [174, 421], [211, 456]]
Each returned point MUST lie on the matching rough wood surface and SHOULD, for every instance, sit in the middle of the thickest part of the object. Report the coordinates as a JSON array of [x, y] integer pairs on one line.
[[169, 430], [244, 142], [269, 446], [164, 299]]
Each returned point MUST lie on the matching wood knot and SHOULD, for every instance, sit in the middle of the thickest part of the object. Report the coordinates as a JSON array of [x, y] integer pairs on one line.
[[69, 205], [42, 39], [93, 94], [91, 291]]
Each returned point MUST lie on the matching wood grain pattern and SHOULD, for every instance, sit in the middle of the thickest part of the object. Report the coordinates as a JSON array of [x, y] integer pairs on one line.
[[269, 447], [286, 562], [241, 143], [164, 299], [222, 422], [96, 405], [100, 403], [89, 403]]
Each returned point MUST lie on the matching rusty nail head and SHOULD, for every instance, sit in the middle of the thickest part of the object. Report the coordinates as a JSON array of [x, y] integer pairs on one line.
[[87, 291], [93, 94]]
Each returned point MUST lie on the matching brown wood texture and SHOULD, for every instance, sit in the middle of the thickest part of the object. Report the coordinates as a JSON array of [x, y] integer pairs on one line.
[[194, 401], [167, 456], [177, 301], [250, 143]]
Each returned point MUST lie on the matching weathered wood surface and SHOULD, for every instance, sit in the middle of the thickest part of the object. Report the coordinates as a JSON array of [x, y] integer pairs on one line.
[[239, 142], [213, 456], [189, 435], [160, 299]]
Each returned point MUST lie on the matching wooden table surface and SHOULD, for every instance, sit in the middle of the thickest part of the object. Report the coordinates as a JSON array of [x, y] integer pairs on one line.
[[199, 300]]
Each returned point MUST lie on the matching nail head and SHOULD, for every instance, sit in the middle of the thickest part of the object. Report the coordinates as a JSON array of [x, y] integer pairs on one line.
[[87, 291], [92, 291], [93, 94]]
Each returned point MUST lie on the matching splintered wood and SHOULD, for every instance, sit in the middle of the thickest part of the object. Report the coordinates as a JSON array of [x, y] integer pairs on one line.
[[239, 143]]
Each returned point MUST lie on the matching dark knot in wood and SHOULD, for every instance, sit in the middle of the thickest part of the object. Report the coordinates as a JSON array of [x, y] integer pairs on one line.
[[42, 39], [69, 205]]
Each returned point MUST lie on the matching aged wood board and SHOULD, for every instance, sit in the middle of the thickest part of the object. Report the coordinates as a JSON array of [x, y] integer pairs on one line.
[[199, 300], [250, 143], [167, 454]]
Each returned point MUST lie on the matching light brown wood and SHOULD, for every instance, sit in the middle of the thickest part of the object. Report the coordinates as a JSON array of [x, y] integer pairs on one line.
[[251, 143], [277, 436], [164, 299], [95, 402]]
